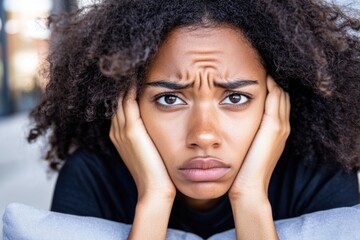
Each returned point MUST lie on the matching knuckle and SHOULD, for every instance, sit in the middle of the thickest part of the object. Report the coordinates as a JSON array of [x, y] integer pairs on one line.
[[112, 136], [115, 139], [277, 128], [129, 133], [288, 130], [280, 128], [284, 131], [277, 90]]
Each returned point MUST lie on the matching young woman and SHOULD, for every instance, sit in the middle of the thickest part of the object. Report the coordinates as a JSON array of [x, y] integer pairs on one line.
[[177, 113]]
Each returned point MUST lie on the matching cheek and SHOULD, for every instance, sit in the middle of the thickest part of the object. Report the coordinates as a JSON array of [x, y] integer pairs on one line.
[[164, 132], [241, 129], [165, 137]]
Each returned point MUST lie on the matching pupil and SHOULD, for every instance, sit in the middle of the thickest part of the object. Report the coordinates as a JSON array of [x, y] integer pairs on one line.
[[235, 98], [170, 99]]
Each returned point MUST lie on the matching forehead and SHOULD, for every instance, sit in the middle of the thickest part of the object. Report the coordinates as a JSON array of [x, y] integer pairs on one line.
[[222, 48], [207, 36]]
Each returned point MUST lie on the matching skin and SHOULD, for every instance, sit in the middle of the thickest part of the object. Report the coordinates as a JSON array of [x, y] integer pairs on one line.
[[159, 133], [203, 121]]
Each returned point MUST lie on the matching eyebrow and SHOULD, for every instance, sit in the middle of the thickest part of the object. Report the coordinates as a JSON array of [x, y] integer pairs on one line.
[[169, 85], [227, 85], [236, 84]]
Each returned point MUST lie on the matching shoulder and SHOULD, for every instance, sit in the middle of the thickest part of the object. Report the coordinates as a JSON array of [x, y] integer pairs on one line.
[[298, 188], [81, 174], [92, 184], [82, 160], [87, 167], [75, 188]]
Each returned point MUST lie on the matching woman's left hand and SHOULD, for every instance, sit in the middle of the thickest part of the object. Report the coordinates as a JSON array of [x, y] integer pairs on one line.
[[267, 146], [248, 193]]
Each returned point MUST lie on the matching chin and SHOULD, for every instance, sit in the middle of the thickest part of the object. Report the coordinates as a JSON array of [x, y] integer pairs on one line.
[[204, 190]]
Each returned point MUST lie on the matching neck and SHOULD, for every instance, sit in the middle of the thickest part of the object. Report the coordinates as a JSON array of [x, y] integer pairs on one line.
[[199, 204]]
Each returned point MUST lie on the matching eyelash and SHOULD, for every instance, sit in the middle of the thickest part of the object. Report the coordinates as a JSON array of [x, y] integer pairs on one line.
[[247, 96], [159, 96]]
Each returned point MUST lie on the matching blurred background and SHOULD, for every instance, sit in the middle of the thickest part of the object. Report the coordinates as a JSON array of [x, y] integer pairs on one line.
[[23, 47], [24, 36]]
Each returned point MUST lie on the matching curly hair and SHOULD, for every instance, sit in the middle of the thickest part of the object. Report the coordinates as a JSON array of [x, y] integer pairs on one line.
[[311, 48]]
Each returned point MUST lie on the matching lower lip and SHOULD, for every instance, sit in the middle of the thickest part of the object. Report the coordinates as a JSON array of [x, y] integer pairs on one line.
[[204, 175]]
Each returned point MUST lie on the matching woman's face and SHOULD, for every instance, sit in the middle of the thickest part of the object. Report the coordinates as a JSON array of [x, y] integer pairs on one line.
[[202, 105]]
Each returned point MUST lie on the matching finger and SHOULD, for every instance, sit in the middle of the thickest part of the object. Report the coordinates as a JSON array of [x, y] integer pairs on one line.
[[131, 108], [115, 127], [120, 116], [270, 83], [283, 107], [272, 103], [288, 105], [288, 110]]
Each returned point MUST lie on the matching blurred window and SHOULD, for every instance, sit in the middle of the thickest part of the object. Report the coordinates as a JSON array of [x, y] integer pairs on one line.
[[23, 48], [4, 97], [27, 45]]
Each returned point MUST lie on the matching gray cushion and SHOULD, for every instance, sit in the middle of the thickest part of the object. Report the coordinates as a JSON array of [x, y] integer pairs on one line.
[[22, 222]]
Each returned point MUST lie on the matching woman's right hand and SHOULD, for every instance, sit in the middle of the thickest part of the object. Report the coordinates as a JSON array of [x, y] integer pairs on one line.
[[156, 192], [133, 143]]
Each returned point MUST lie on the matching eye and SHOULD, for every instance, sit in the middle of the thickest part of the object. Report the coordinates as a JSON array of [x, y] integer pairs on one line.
[[235, 99], [169, 100]]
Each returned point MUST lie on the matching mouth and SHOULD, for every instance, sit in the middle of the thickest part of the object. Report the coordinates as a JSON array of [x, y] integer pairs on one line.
[[204, 170]]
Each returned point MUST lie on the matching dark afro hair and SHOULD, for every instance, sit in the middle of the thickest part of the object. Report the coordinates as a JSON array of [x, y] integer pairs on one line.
[[311, 48]]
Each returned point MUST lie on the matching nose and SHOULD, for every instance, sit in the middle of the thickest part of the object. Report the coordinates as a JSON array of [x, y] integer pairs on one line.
[[204, 129]]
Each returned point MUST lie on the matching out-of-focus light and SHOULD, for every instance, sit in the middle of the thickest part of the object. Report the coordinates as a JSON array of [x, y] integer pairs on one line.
[[25, 63], [36, 29], [12, 26], [85, 3], [27, 6], [348, 3], [1, 24]]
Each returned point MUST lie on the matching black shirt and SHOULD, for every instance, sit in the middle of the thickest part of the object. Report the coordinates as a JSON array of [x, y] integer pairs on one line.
[[90, 184]]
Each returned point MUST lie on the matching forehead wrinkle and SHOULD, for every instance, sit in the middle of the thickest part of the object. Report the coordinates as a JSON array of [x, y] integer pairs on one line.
[[208, 78], [190, 73], [204, 77], [207, 67], [206, 60], [207, 64], [210, 58], [204, 51]]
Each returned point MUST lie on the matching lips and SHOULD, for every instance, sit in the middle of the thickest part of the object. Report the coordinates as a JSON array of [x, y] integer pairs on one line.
[[204, 170]]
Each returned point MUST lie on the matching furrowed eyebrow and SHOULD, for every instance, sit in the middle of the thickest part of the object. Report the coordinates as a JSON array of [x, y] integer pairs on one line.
[[236, 84], [226, 85], [169, 85]]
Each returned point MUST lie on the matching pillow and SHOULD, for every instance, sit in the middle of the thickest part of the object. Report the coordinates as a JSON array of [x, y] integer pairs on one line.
[[334, 224], [22, 222]]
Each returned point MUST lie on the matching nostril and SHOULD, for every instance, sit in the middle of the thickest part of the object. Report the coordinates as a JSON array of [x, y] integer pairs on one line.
[[216, 145], [204, 140], [193, 145]]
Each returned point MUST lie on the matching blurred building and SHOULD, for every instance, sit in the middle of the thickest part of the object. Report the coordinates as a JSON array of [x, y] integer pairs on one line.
[[24, 42]]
